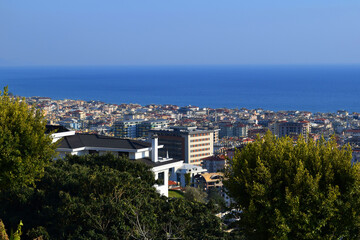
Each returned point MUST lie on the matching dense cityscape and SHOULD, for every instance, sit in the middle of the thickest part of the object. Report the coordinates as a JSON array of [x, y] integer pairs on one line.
[[176, 126], [232, 127]]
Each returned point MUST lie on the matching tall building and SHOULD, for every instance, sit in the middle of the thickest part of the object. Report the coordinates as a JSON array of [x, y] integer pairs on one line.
[[291, 129], [228, 129], [137, 128], [240, 130], [188, 143], [127, 129], [144, 127], [215, 163]]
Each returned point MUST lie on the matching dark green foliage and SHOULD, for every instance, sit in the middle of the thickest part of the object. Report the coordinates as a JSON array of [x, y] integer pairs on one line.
[[14, 235], [195, 194], [214, 195], [104, 197], [303, 191], [187, 179], [24, 148]]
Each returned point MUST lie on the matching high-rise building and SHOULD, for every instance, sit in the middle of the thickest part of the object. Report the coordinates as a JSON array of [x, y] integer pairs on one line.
[[127, 129], [228, 129], [137, 128], [188, 143], [240, 130], [292, 129], [144, 127]]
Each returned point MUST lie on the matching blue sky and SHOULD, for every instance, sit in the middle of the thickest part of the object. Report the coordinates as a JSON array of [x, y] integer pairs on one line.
[[172, 32]]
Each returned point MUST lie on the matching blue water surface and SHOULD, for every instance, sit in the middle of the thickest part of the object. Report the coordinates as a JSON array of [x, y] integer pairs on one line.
[[310, 88]]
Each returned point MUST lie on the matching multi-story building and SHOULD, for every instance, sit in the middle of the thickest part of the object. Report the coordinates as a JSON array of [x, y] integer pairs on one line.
[[216, 135], [137, 128], [292, 129], [241, 130], [233, 130], [127, 129], [215, 163], [188, 143], [144, 127]]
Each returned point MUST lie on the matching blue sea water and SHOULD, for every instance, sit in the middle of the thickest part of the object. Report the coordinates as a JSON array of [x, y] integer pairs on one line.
[[309, 88]]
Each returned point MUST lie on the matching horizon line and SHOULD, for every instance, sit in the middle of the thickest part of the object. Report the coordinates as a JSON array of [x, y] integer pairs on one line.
[[180, 65]]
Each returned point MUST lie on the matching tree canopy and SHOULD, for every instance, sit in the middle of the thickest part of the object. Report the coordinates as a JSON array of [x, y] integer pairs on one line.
[[307, 190], [24, 148], [104, 197]]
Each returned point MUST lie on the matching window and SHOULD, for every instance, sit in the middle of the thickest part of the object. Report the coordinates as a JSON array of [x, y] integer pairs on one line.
[[171, 171], [161, 179]]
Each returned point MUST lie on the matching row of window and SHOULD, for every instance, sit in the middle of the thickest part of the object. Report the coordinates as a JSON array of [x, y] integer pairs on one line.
[[196, 160], [200, 140], [200, 155], [200, 134], [200, 145], [200, 150]]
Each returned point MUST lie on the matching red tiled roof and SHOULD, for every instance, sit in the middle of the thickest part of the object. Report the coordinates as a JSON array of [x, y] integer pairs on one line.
[[215, 158], [353, 130], [172, 183]]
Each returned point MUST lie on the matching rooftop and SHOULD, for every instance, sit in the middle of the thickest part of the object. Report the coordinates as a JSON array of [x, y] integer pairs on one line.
[[56, 128], [94, 140]]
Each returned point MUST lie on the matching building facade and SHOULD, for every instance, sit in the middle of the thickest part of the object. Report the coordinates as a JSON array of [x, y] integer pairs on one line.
[[228, 129], [188, 143], [215, 163], [291, 129], [137, 128], [127, 129]]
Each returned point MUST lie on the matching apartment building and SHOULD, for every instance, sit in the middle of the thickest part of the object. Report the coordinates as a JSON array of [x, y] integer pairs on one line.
[[291, 129], [127, 128], [188, 143], [137, 128], [229, 129]]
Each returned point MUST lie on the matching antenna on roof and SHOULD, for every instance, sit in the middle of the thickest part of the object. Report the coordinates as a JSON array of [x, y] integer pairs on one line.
[[167, 154]]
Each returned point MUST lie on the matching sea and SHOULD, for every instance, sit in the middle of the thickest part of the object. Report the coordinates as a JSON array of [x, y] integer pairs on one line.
[[313, 88]]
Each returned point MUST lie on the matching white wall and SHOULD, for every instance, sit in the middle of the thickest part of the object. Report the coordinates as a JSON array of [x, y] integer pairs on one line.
[[163, 189]]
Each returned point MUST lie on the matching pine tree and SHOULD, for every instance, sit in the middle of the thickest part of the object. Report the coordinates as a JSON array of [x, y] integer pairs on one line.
[[307, 190]]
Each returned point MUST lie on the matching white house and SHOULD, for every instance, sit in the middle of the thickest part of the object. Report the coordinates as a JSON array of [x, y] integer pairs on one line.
[[58, 132], [82, 144]]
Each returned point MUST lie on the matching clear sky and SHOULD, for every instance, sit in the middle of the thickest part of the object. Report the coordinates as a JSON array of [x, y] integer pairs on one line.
[[157, 32]]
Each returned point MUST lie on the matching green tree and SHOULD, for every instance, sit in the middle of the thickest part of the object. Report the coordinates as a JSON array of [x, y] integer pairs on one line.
[[14, 236], [195, 194], [187, 179], [104, 197], [25, 150], [309, 190], [214, 194]]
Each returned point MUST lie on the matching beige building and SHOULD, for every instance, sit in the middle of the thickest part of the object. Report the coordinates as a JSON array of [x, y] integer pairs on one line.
[[291, 129], [187, 143]]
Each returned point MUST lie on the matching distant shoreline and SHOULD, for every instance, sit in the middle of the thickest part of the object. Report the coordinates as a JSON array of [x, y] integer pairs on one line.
[[312, 88]]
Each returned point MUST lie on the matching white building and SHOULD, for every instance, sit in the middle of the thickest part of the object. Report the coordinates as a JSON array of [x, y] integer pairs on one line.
[[82, 144], [180, 173]]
